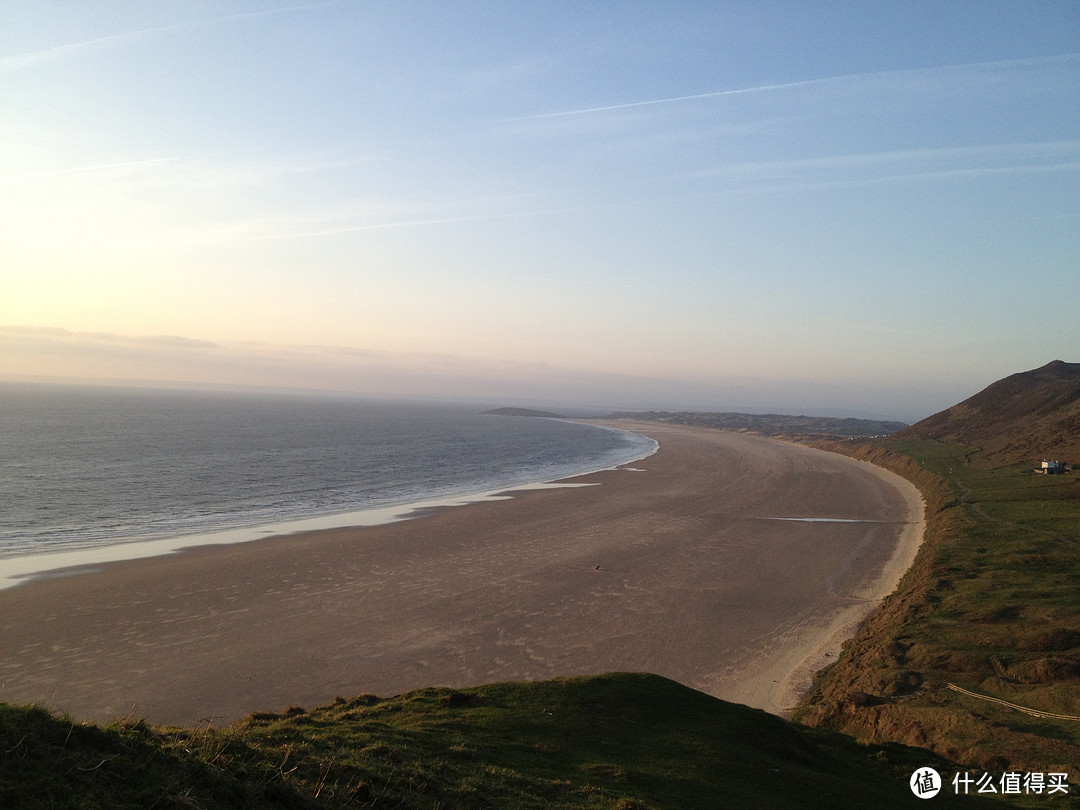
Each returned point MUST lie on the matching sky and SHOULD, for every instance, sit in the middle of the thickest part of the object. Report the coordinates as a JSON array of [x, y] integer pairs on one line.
[[813, 207]]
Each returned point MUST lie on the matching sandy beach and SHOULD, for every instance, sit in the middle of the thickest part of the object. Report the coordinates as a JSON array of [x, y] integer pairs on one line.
[[677, 565]]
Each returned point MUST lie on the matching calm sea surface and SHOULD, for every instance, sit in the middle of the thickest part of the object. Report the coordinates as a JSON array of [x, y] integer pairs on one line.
[[85, 466]]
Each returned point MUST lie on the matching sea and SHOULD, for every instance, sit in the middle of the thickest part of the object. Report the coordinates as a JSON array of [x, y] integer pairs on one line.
[[90, 474]]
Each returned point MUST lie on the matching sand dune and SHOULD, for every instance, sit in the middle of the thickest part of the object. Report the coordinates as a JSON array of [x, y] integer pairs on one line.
[[675, 568]]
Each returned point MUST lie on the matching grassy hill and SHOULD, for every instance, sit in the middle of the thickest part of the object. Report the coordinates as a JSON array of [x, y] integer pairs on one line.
[[1025, 417], [617, 741], [990, 604]]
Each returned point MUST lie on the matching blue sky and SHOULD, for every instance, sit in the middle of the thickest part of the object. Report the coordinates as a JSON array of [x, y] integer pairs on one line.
[[812, 207]]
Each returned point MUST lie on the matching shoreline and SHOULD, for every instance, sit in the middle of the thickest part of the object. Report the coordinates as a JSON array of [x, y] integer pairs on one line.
[[669, 570], [825, 643], [23, 568], [815, 645]]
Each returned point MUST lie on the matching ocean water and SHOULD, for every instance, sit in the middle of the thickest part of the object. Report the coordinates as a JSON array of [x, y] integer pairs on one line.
[[91, 467]]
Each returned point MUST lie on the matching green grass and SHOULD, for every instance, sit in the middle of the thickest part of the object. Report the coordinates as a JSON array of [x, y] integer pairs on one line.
[[991, 605], [617, 741]]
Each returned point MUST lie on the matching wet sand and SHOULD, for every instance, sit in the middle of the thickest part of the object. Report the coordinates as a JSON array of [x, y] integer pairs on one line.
[[676, 566]]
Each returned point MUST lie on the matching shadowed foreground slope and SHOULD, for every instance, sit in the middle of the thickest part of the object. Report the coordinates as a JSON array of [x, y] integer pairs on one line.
[[613, 741]]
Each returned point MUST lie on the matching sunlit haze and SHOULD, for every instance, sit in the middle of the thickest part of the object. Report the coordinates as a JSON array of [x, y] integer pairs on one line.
[[850, 208]]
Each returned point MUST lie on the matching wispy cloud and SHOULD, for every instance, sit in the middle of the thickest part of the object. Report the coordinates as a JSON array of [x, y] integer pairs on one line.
[[386, 224], [670, 100], [906, 177], [49, 334], [360, 216], [876, 77], [44, 56], [193, 169], [33, 59], [904, 165], [112, 166], [997, 154], [184, 200], [27, 352]]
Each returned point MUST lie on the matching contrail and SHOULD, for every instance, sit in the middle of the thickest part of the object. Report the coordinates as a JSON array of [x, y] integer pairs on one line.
[[673, 99], [767, 88]]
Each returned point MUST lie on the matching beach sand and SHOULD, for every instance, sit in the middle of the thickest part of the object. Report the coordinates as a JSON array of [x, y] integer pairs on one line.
[[674, 566]]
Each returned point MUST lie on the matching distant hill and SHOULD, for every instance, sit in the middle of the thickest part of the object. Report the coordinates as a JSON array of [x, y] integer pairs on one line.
[[523, 412], [1027, 416], [772, 424]]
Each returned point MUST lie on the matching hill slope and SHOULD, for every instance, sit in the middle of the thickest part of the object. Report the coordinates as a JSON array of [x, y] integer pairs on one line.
[[625, 742], [1024, 417]]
